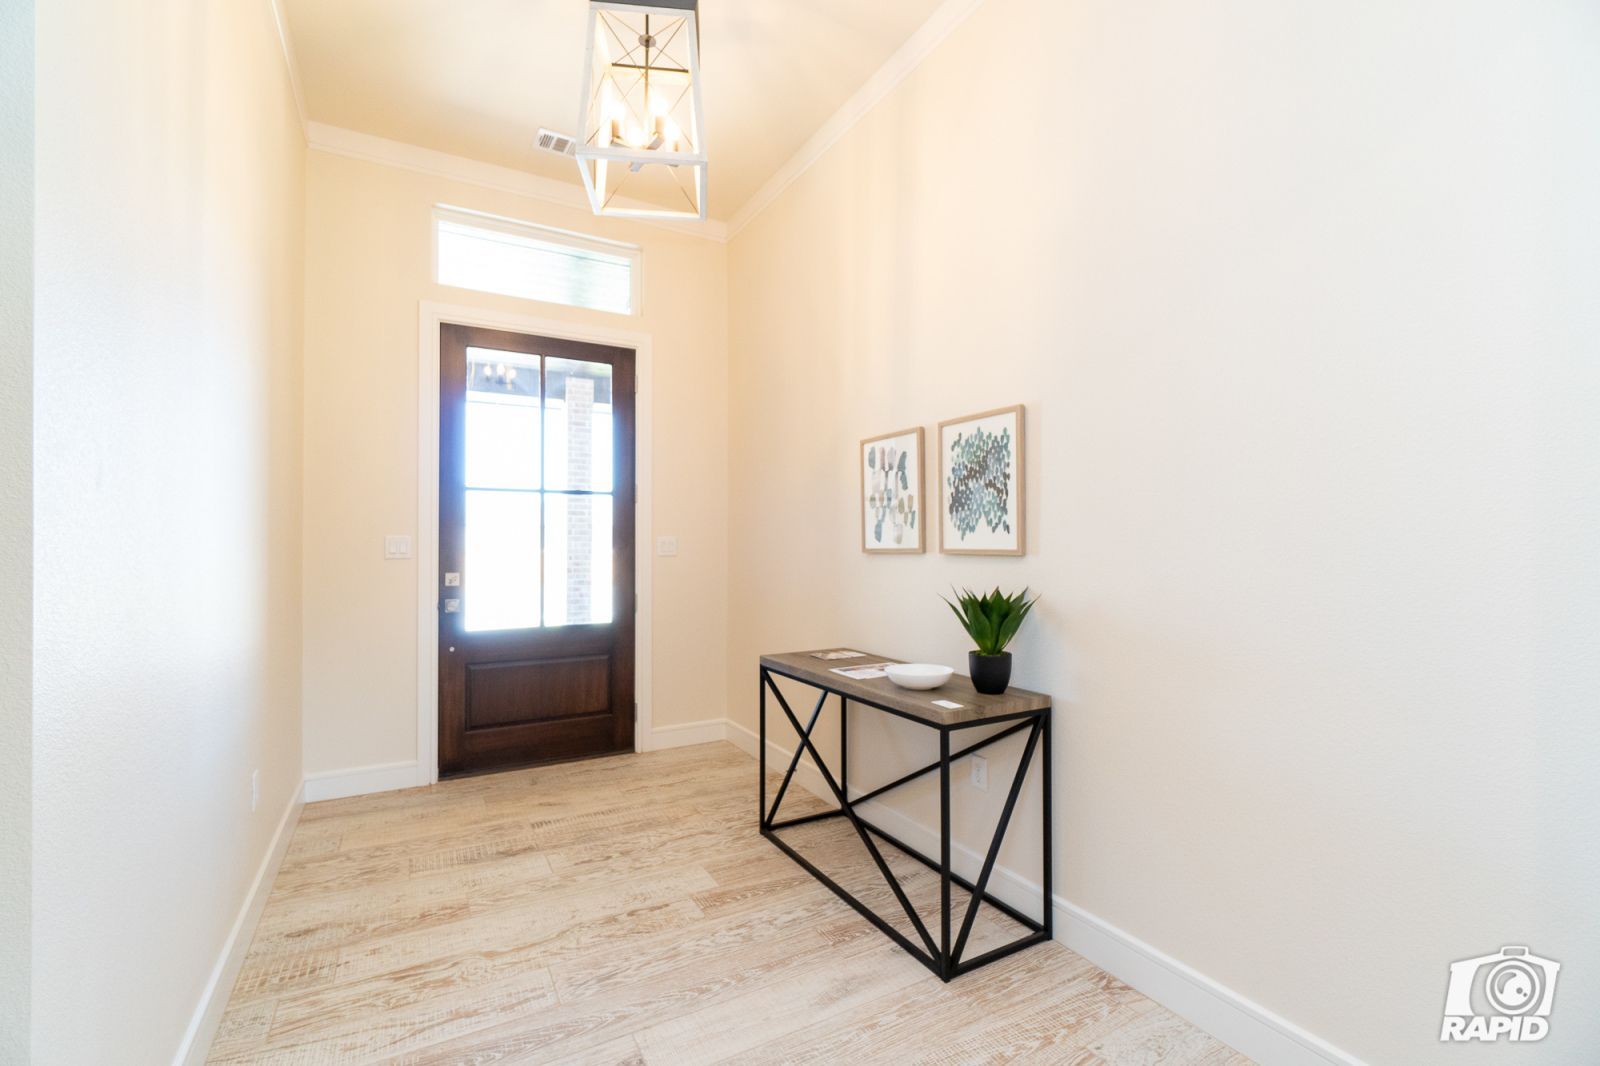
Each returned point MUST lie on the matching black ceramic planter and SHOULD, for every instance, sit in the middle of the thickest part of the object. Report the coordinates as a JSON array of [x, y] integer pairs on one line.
[[990, 673]]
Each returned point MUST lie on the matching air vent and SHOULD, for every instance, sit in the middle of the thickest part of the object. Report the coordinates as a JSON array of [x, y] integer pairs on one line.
[[560, 143]]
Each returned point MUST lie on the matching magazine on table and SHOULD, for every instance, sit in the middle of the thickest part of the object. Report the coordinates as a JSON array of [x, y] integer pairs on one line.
[[863, 673]]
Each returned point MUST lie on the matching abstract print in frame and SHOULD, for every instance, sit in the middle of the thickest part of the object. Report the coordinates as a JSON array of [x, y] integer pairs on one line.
[[980, 483], [893, 514]]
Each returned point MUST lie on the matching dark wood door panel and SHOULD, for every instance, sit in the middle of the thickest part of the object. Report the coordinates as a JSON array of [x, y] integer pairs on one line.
[[511, 645], [526, 745], [533, 690]]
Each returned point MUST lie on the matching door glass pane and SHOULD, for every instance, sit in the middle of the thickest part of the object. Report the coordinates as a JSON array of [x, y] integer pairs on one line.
[[577, 560], [500, 579], [502, 420], [577, 425]]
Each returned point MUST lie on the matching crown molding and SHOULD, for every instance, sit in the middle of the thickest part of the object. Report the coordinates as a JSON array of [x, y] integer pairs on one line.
[[287, 45], [353, 144], [945, 18]]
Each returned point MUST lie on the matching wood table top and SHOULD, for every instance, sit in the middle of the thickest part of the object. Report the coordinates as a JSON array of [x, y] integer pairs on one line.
[[975, 707]]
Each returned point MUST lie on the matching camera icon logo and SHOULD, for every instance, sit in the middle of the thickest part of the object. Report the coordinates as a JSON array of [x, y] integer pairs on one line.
[[1508, 994]]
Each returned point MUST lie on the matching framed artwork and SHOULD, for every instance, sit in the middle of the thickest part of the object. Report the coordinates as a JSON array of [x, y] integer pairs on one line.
[[893, 514], [980, 483]]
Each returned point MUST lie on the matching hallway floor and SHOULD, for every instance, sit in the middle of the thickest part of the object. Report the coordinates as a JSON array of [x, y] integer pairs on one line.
[[624, 911]]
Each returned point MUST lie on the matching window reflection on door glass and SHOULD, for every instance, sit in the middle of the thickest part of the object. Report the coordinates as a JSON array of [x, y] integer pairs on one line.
[[502, 420]]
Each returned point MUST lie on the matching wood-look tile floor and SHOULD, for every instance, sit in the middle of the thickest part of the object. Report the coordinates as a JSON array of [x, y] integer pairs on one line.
[[624, 911]]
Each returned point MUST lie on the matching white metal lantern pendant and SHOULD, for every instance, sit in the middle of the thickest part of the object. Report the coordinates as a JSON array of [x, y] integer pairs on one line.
[[643, 151]]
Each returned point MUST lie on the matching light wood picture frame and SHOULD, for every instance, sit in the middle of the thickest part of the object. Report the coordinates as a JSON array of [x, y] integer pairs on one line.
[[981, 502], [894, 510]]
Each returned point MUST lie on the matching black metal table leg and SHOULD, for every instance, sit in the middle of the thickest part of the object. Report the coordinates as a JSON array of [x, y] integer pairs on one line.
[[816, 713], [1046, 889], [844, 745], [866, 839], [944, 958], [994, 844], [761, 756]]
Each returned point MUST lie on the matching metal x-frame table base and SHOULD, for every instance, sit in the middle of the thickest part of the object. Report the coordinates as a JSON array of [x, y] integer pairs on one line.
[[943, 957]]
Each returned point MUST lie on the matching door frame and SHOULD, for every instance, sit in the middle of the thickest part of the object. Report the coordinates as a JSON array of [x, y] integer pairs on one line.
[[430, 315]]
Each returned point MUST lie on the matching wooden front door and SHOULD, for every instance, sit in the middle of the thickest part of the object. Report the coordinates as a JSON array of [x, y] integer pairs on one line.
[[536, 596]]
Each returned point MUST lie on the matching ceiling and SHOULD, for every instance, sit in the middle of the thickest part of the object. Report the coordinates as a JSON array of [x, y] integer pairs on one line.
[[477, 78]]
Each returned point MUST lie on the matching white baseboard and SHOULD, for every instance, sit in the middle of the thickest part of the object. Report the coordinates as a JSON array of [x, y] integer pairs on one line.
[[363, 780], [806, 774], [1241, 1023], [742, 738], [705, 731], [214, 1000], [1238, 1022]]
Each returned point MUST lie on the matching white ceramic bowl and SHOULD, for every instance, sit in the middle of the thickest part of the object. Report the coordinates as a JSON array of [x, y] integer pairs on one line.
[[918, 675]]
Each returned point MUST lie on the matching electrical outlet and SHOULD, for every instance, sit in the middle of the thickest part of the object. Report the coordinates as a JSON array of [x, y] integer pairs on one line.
[[255, 789], [980, 773]]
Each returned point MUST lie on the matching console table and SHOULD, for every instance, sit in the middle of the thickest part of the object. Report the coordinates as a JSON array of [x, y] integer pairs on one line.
[[1017, 711]]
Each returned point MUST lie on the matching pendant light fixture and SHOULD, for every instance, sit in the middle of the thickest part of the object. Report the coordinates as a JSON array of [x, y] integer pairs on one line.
[[642, 150]]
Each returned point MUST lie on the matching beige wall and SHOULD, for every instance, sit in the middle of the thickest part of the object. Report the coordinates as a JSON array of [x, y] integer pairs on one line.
[[167, 485], [1300, 299], [369, 266], [16, 523]]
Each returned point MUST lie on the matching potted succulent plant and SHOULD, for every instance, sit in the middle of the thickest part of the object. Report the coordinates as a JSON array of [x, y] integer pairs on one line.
[[991, 620]]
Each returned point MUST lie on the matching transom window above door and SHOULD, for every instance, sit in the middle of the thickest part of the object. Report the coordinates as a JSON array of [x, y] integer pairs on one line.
[[512, 258]]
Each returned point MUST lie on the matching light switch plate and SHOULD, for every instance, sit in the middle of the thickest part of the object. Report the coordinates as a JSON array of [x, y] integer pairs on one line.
[[397, 546], [666, 545]]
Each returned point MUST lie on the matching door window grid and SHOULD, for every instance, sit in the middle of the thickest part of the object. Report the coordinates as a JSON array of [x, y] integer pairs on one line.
[[539, 470]]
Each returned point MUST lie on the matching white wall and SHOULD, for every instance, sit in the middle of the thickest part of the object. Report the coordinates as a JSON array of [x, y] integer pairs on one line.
[[1301, 299], [16, 522], [167, 486], [369, 264]]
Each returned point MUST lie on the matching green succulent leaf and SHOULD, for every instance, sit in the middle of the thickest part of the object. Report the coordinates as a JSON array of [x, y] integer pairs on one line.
[[992, 619]]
